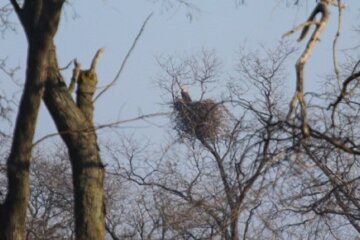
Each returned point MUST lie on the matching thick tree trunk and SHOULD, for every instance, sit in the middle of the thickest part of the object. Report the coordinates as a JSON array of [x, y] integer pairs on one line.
[[13, 212], [40, 32], [74, 123]]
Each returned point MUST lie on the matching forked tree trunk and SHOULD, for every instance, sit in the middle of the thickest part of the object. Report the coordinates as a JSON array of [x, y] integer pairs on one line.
[[40, 20], [74, 123]]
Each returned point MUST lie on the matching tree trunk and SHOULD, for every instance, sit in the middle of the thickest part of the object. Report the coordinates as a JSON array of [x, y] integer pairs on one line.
[[75, 125], [235, 229], [40, 31]]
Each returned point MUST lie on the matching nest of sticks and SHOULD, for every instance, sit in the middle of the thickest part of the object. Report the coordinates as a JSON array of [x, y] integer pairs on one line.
[[203, 120]]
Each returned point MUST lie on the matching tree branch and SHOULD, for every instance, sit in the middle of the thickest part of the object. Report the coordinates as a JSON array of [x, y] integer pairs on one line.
[[96, 58], [300, 64], [108, 125], [17, 9], [126, 57], [337, 35]]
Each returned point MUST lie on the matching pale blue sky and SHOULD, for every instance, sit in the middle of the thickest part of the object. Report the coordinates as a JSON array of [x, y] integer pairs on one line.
[[219, 25]]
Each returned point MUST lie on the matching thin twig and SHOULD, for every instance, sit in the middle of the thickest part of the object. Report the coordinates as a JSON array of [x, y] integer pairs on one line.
[[67, 66], [108, 125], [344, 89], [126, 57]]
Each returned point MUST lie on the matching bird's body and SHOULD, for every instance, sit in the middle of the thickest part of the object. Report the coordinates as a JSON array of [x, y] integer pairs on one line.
[[185, 95]]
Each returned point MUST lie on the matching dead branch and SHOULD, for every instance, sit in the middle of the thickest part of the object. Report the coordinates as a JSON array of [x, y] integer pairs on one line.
[[337, 35], [321, 8], [86, 87], [300, 27], [96, 59], [75, 76]]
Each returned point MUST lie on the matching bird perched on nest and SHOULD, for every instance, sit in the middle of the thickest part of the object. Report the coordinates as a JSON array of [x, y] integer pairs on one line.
[[203, 119], [185, 95]]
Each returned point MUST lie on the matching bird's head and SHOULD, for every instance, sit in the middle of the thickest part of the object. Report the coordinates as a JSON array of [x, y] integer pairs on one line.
[[184, 89]]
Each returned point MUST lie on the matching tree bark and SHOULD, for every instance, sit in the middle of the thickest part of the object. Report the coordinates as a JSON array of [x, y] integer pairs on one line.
[[75, 125], [40, 31], [235, 229]]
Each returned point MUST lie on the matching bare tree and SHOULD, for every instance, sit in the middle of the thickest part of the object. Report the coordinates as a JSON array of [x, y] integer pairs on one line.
[[213, 185], [50, 211]]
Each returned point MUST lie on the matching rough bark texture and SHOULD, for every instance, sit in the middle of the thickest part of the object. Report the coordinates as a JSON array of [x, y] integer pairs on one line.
[[40, 20], [74, 123]]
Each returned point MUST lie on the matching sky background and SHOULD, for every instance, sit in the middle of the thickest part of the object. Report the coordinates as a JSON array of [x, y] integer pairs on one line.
[[222, 26]]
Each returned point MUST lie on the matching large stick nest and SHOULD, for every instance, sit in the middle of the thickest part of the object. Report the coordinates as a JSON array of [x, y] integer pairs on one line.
[[201, 119]]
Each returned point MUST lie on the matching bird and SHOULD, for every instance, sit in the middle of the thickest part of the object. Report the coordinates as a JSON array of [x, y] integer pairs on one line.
[[185, 95]]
